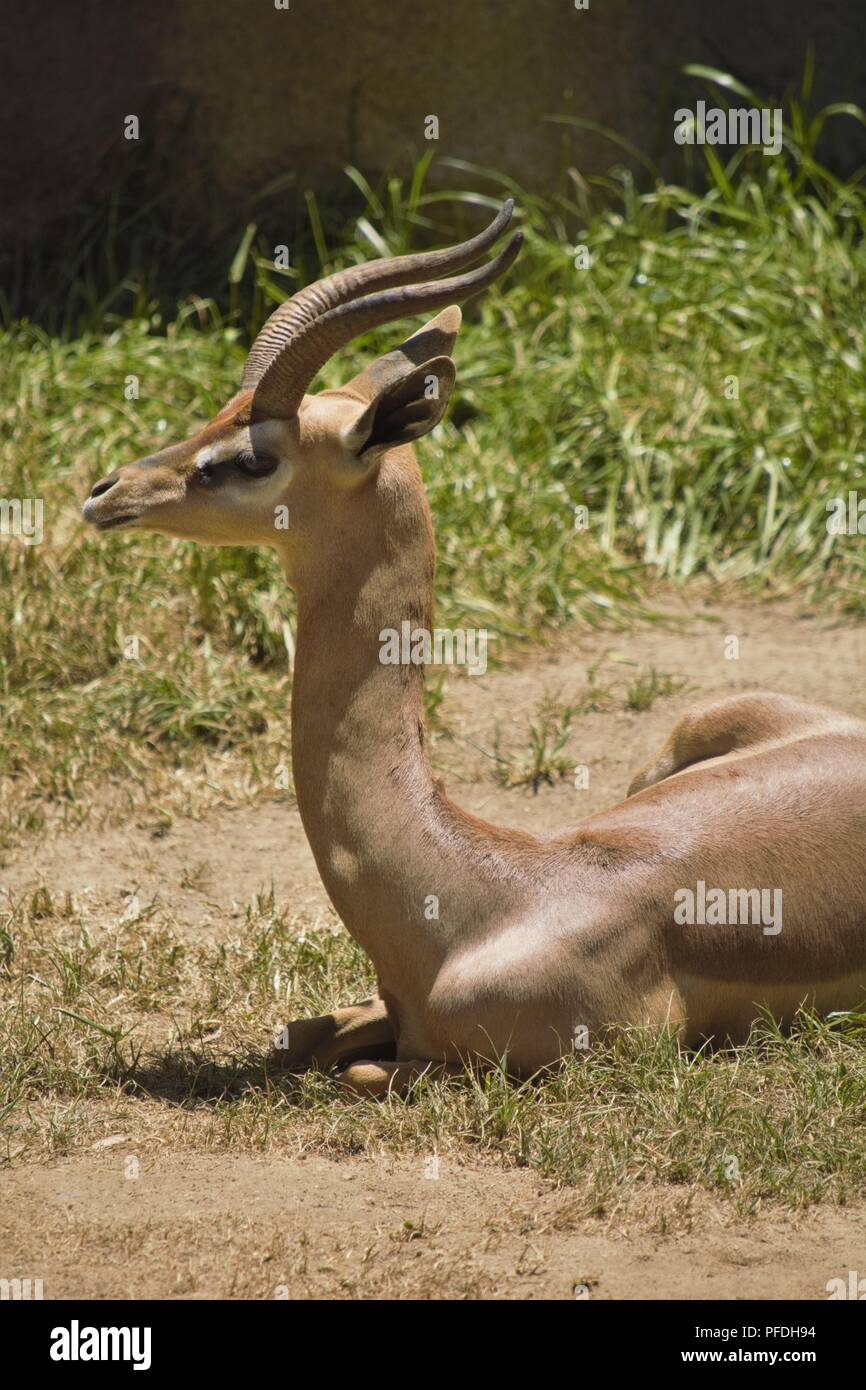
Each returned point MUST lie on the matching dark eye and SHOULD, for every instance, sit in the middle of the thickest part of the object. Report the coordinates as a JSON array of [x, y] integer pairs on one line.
[[255, 465]]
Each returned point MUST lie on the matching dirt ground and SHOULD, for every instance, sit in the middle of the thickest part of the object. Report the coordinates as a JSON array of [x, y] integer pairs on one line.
[[302, 1225]]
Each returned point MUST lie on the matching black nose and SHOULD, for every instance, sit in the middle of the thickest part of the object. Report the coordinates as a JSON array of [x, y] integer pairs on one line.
[[100, 488]]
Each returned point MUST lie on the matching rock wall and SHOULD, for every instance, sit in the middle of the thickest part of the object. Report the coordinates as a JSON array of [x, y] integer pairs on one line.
[[246, 92]]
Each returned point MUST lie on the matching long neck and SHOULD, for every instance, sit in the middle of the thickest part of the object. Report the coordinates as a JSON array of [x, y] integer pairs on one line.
[[395, 857]]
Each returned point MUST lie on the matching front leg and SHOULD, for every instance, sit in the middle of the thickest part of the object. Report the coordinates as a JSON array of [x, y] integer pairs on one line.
[[357, 1031]]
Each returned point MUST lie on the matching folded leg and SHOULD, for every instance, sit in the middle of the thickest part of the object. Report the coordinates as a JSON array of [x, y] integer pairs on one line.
[[375, 1080], [361, 1030], [731, 725]]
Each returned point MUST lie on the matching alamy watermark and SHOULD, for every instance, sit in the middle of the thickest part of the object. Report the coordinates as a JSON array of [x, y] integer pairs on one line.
[[22, 517], [751, 125], [21, 1290], [718, 907], [847, 515], [77, 1343], [853, 1287], [444, 646]]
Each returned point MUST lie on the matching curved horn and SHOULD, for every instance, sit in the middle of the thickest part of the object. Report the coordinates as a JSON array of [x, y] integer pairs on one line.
[[316, 299], [292, 365]]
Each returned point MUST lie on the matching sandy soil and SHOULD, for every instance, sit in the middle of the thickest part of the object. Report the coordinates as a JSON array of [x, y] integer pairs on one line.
[[215, 1225], [212, 1226]]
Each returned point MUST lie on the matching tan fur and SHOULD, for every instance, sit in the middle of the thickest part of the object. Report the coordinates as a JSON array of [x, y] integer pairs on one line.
[[537, 936]]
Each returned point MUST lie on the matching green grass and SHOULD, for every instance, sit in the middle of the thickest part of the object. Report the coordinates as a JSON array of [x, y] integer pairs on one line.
[[130, 1026], [548, 755], [649, 686], [602, 388], [547, 758]]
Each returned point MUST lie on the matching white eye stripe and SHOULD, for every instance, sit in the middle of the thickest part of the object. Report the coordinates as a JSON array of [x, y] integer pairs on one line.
[[266, 437], [226, 451], [259, 439]]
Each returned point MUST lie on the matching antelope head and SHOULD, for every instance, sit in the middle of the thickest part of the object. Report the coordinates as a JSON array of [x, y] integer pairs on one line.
[[274, 452]]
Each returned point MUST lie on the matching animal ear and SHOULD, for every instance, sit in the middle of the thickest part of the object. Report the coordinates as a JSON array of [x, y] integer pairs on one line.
[[435, 339], [410, 401]]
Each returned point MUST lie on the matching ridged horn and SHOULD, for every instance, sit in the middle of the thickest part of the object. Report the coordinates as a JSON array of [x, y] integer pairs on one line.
[[303, 333]]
